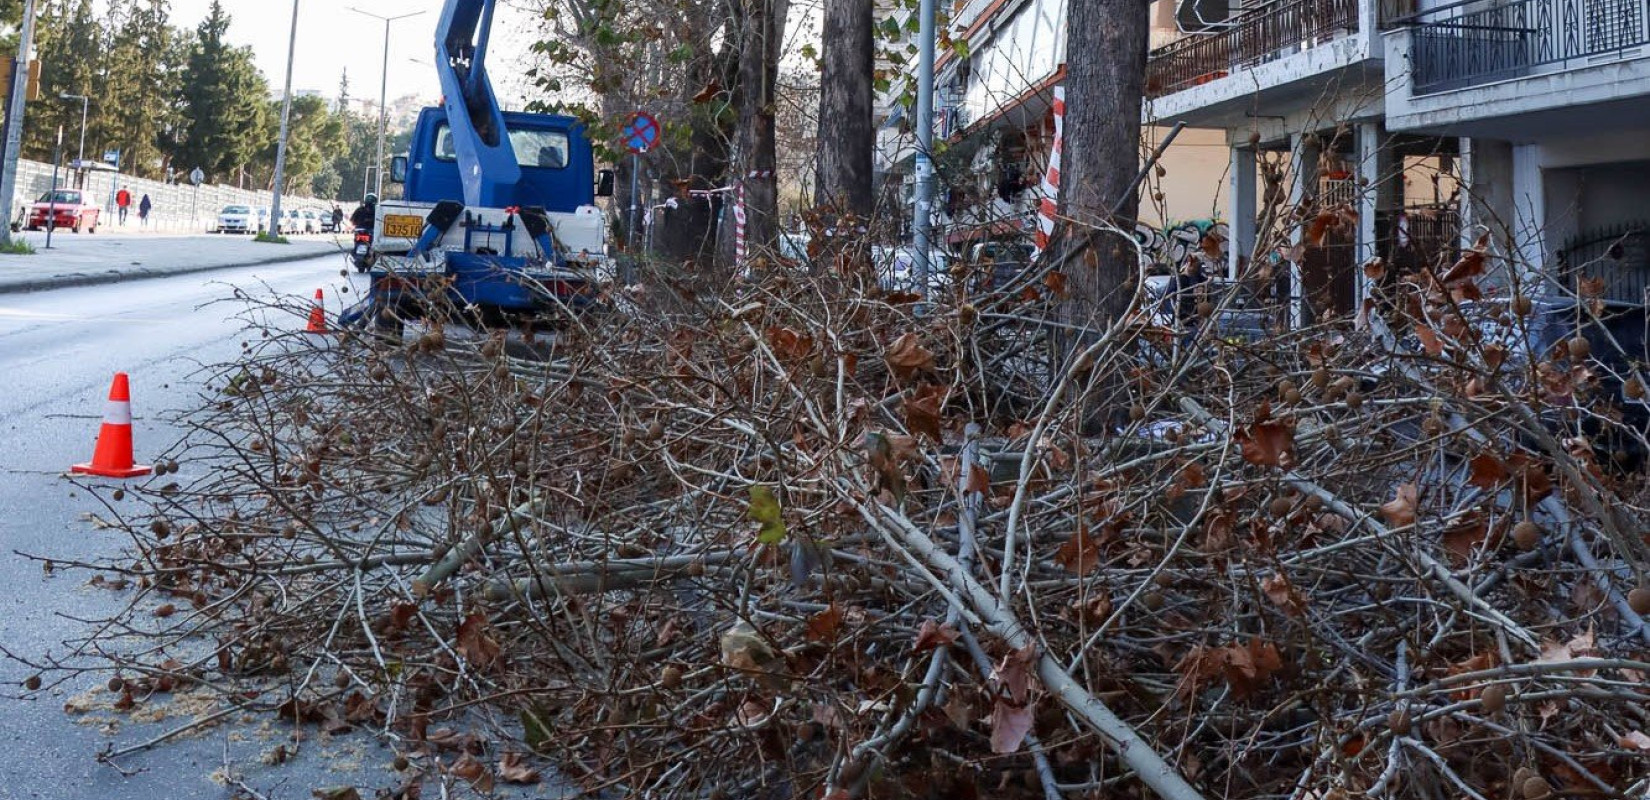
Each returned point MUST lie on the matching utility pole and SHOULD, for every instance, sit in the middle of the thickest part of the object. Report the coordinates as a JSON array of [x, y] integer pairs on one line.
[[922, 214], [84, 103], [383, 91], [14, 120], [286, 117]]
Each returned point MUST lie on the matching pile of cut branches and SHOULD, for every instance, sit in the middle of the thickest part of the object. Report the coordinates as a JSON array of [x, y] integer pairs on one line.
[[798, 536]]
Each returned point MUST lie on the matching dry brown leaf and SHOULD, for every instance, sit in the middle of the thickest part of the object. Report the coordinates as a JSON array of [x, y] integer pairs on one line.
[[934, 635], [1375, 269], [1430, 342], [707, 93], [1635, 740], [1463, 538], [1400, 510], [1080, 553], [478, 648], [1486, 471], [923, 409], [1010, 723], [1284, 595], [823, 626], [907, 356], [513, 768], [1268, 444], [469, 769]]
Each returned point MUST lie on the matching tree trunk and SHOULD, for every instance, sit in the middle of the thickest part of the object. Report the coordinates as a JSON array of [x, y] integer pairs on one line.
[[845, 135], [761, 25], [1106, 41]]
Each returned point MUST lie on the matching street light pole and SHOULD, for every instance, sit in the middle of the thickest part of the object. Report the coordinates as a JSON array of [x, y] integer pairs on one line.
[[84, 103], [286, 117], [383, 92], [14, 120]]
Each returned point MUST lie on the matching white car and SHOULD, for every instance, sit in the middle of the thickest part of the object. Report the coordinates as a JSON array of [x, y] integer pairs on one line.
[[312, 223], [236, 219]]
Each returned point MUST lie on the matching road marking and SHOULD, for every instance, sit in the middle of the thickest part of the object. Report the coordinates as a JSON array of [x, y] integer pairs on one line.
[[49, 316]]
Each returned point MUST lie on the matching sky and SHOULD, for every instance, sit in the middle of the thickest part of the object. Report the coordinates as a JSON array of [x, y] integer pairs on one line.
[[332, 38]]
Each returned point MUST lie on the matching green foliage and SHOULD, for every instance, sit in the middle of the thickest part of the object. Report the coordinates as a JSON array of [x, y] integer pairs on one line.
[[17, 247], [228, 117], [764, 509], [270, 238]]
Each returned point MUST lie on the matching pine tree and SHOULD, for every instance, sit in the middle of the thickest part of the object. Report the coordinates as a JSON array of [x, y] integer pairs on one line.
[[132, 92], [69, 44], [225, 106]]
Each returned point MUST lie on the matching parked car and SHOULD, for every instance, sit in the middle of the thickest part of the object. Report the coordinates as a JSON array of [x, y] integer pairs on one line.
[[312, 223], [995, 264], [896, 268], [263, 220], [236, 219], [67, 209]]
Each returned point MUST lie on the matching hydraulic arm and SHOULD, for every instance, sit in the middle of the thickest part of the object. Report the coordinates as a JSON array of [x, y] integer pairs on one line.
[[486, 160]]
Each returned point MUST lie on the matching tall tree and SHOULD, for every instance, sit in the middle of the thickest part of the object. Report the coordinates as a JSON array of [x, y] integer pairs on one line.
[[846, 138], [132, 89], [69, 44], [760, 25], [1106, 43], [225, 103]]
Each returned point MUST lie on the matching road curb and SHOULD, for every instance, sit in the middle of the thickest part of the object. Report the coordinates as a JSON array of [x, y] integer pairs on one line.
[[76, 280]]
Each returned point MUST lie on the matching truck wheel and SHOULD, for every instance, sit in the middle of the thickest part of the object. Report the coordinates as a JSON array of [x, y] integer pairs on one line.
[[79, 225]]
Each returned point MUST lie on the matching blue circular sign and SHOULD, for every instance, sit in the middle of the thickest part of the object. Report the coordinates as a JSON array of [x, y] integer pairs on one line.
[[641, 133]]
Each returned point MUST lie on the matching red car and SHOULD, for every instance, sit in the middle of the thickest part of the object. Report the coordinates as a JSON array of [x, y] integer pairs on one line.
[[68, 208]]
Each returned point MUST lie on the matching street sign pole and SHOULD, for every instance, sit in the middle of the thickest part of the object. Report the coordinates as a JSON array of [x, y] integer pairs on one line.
[[635, 200], [195, 177], [640, 133], [51, 199]]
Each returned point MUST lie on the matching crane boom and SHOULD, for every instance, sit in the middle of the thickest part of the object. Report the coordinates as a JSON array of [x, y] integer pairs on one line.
[[486, 159]]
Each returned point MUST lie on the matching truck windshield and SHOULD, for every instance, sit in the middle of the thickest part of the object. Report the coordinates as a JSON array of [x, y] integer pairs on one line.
[[61, 198], [534, 148]]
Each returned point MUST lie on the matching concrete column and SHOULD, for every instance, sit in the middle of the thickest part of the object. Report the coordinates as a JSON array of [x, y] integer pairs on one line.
[[1486, 203], [1241, 198], [1529, 207], [1378, 192], [1303, 184]]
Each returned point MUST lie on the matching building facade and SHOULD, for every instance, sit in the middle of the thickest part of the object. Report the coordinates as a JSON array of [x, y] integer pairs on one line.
[[1519, 123]]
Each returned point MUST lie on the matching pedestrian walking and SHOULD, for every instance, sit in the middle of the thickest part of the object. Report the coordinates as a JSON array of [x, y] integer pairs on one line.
[[337, 217], [123, 202], [144, 206]]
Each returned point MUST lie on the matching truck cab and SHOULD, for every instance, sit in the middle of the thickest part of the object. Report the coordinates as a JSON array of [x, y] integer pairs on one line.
[[557, 175]]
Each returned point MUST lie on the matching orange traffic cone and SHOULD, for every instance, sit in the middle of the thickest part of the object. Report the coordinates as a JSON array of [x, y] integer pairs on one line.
[[113, 456], [317, 316]]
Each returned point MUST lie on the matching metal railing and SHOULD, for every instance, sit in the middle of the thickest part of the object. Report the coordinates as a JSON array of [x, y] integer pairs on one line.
[[1467, 44], [1619, 256], [1251, 38]]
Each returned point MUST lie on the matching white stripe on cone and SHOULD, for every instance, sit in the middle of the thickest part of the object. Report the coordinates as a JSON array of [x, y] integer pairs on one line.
[[117, 412]]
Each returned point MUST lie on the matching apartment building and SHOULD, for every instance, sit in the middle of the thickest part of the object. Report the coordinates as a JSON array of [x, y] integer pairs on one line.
[[1436, 122]]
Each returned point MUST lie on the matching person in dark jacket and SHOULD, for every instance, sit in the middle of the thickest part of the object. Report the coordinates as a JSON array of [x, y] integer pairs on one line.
[[367, 213], [337, 217], [144, 206]]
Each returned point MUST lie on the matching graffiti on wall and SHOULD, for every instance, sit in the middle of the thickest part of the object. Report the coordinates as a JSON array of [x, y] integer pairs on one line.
[[1171, 245]]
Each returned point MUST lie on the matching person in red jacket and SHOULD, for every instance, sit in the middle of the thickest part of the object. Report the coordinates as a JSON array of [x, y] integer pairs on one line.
[[123, 200]]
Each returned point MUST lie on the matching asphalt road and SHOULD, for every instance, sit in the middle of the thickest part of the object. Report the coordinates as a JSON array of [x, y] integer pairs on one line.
[[58, 351]]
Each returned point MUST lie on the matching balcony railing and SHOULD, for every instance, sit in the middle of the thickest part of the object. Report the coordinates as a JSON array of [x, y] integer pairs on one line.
[[1465, 44], [1254, 37]]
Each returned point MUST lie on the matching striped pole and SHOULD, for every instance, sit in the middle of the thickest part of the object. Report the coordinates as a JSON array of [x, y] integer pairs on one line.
[[1050, 204]]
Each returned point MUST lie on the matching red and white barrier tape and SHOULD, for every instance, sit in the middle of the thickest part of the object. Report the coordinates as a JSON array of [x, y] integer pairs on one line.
[[1050, 204]]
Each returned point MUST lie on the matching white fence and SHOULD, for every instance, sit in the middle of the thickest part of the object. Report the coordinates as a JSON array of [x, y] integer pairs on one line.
[[176, 207]]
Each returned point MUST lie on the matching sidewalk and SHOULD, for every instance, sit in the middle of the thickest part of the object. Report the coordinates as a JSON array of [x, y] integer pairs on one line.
[[114, 254]]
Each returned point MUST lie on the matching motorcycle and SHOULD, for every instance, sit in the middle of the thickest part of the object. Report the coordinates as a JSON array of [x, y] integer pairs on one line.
[[361, 253]]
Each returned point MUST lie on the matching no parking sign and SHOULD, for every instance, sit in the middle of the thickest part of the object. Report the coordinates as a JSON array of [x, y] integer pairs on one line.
[[641, 133]]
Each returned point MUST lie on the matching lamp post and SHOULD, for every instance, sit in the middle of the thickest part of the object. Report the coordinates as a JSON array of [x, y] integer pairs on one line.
[[286, 117], [383, 91], [84, 103]]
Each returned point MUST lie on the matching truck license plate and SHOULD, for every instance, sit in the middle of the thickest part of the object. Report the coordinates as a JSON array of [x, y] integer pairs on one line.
[[403, 225]]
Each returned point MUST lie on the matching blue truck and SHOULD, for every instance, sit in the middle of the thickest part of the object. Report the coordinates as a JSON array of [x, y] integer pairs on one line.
[[497, 219]]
